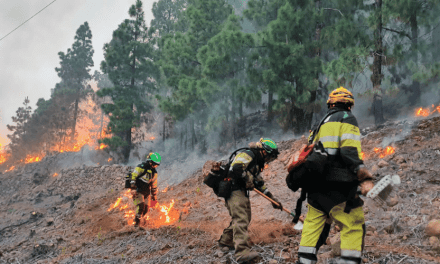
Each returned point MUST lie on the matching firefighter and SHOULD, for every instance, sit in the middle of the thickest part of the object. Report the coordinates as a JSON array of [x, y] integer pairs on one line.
[[245, 174], [335, 199], [144, 180]]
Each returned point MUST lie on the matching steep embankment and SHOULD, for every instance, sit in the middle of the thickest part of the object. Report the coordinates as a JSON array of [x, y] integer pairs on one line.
[[67, 218]]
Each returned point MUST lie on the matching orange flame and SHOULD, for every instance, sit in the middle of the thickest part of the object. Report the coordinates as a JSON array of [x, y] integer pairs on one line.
[[11, 168], [109, 159], [266, 166], [157, 216], [384, 152], [87, 132], [55, 174], [32, 159], [426, 111], [165, 190], [101, 146], [2, 155], [362, 155]]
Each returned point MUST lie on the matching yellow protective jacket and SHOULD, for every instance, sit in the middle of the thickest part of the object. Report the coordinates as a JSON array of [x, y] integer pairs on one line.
[[246, 170], [341, 139], [146, 177]]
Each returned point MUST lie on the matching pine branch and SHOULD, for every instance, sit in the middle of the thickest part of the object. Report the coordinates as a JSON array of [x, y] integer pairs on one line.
[[398, 32]]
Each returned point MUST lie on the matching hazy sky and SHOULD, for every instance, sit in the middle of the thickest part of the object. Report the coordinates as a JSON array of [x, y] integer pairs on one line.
[[29, 55]]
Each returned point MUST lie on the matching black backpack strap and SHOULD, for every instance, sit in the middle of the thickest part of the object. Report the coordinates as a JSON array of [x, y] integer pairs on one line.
[[299, 202], [320, 124]]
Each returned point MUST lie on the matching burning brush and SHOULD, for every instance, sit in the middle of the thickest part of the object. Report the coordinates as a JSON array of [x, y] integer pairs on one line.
[[157, 216]]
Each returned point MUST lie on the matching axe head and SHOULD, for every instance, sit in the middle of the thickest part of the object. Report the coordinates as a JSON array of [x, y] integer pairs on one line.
[[383, 188]]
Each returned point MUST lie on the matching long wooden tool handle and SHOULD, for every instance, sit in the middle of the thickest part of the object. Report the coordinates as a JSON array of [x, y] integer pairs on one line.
[[272, 201]]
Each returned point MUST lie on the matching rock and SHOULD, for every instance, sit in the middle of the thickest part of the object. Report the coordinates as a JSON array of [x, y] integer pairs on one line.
[[382, 164], [49, 221], [392, 201], [433, 228], [434, 242], [219, 254], [273, 261], [374, 169]]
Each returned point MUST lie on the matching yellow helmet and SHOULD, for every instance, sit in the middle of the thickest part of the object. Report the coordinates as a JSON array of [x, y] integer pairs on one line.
[[340, 95]]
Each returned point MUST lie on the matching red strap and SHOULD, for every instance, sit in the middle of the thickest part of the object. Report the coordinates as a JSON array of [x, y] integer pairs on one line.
[[297, 160]]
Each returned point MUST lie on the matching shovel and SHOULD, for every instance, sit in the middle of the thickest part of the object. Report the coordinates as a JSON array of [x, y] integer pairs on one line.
[[298, 226]]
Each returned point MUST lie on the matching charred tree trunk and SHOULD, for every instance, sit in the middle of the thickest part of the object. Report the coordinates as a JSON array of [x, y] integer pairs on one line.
[[377, 75]]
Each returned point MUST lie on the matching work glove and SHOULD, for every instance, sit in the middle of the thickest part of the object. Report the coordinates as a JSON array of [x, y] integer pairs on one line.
[[366, 186], [363, 174], [133, 184], [279, 206]]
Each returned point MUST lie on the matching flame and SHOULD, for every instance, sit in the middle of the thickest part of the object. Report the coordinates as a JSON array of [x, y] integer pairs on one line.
[[165, 190], [109, 159], [384, 152], [88, 130], [32, 159], [151, 138], [427, 111], [166, 210], [2, 155], [157, 216], [362, 155], [266, 166], [55, 174], [101, 146], [11, 168]]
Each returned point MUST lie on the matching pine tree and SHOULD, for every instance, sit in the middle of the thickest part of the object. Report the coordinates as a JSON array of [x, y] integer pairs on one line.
[[180, 64], [129, 65], [75, 66], [19, 130]]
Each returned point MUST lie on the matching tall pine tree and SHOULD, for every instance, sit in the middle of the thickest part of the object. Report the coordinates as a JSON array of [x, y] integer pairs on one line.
[[129, 65]]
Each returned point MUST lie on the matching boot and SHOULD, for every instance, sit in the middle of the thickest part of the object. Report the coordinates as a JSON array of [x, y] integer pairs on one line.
[[225, 248], [137, 221], [247, 257]]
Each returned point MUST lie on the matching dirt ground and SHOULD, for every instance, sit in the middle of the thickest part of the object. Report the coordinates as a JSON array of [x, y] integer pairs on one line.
[[42, 224]]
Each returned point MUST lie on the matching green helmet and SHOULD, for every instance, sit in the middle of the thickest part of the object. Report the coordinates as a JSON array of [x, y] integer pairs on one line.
[[269, 146], [154, 157]]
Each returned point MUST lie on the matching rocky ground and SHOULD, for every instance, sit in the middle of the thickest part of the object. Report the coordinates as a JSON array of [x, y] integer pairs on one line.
[[54, 215]]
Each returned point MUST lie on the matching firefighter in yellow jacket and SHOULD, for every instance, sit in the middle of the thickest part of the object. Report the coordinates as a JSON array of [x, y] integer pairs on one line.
[[335, 199], [144, 179]]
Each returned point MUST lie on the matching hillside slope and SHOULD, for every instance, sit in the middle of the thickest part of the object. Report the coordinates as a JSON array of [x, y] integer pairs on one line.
[[68, 217]]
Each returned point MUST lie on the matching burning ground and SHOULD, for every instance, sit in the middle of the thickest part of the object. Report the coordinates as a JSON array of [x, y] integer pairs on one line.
[[54, 215]]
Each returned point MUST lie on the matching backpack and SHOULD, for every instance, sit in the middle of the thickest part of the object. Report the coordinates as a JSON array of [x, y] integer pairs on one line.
[[215, 175]]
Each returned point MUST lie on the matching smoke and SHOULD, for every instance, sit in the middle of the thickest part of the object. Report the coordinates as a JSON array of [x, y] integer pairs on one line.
[[87, 156]]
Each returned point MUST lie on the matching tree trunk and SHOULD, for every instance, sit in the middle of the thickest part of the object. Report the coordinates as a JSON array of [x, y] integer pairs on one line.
[[269, 107], [75, 116], [193, 134], [377, 76], [164, 131], [415, 87]]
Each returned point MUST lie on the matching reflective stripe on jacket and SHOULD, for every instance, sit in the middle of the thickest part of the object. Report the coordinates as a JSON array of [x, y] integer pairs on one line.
[[341, 138], [247, 167], [147, 175]]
